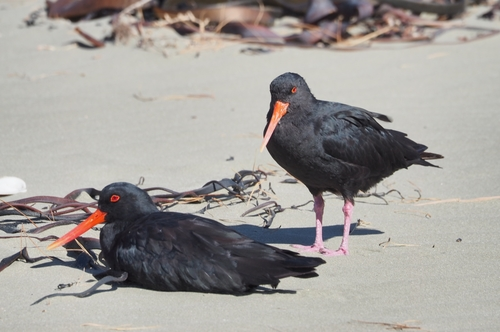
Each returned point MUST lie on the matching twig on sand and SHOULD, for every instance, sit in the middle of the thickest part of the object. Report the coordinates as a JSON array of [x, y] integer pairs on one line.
[[460, 200], [120, 327], [95, 43], [394, 326], [140, 97], [357, 41], [415, 213], [360, 223], [389, 243]]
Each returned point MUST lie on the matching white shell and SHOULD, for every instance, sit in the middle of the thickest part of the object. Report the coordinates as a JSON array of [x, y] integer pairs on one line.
[[10, 185]]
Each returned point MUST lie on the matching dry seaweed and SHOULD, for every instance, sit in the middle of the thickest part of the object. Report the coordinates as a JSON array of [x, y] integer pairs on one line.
[[394, 326], [347, 24], [63, 210]]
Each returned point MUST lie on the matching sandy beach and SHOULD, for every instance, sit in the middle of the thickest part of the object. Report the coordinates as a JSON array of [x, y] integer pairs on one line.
[[70, 118]]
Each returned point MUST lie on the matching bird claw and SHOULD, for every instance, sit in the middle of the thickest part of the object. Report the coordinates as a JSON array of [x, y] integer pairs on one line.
[[322, 250], [339, 252]]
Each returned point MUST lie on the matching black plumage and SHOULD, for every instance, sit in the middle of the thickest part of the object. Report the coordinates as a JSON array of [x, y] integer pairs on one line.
[[171, 251], [333, 147]]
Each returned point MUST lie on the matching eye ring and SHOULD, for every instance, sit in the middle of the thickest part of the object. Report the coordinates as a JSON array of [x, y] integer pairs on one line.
[[114, 198], [294, 89]]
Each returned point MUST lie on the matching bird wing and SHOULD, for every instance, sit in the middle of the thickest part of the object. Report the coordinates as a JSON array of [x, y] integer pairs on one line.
[[352, 136], [165, 252]]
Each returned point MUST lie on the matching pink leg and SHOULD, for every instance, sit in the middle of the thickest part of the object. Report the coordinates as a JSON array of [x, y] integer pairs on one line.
[[344, 245], [318, 246]]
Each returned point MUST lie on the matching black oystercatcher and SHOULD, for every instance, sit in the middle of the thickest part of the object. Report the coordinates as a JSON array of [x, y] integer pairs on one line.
[[333, 147], [171, 251]]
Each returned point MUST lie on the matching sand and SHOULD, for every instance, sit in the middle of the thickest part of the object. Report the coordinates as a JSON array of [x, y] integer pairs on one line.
[[69, 119]]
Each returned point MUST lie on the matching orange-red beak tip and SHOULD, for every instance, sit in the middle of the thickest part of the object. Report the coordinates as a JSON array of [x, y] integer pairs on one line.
[[57, 243], [52, 246], [96, 218]]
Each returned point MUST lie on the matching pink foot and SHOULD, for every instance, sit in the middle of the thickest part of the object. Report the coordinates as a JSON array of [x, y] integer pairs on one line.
[[322, 250]]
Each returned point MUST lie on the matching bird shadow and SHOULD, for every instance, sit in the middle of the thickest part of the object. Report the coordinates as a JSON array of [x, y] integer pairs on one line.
[[298, 235]]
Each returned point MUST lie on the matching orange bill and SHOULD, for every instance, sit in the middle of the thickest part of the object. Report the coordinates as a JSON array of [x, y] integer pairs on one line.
[[95, 218], [280, 109]]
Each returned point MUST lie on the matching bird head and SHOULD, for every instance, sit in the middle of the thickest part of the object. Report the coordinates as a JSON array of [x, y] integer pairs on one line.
[[286, 89], [118, 202]]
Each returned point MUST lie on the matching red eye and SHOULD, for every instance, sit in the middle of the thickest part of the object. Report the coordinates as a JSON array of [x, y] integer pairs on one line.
[[114, 198], [294, 89]]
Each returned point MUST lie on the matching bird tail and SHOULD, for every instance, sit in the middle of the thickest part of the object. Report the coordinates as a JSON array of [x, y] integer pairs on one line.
[[424, 156], [415, 153], [302, 266], [379, 116], [430, 156]]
